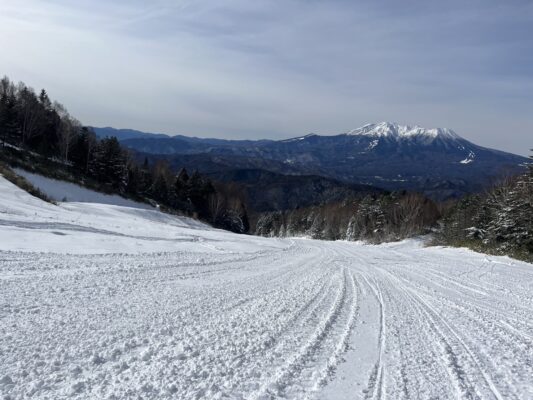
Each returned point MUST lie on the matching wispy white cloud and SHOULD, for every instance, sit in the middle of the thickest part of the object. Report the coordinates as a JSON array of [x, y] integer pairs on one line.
[[235, 68]]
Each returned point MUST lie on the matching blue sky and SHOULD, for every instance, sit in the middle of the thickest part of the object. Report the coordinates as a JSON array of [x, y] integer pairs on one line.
[[277, 69]]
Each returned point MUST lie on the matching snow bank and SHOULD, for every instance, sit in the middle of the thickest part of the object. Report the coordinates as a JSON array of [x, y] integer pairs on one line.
[[30, 224], [70, 192]]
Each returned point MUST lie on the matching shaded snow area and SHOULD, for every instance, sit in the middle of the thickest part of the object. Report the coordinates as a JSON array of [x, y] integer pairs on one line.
[[69, 192], [134, 304]]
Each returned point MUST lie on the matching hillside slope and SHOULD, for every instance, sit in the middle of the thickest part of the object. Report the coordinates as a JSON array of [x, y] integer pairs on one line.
[[29, 224], [269, 191]]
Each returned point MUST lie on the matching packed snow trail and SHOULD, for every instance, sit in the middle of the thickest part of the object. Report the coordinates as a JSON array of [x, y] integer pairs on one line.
[[209, 315]]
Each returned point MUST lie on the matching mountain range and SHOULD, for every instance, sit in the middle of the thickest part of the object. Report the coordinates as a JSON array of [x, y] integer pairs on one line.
[[437, 162]]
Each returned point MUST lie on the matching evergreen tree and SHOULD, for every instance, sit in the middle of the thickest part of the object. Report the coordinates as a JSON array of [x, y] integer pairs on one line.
[[160, 188], [108, 164], [145, 183], [198, 192], [181, 186], [82, 150], [8, 118], [29, 113], [45, 100]]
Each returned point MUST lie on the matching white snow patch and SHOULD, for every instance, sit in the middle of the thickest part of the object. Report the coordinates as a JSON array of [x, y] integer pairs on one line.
[[469, 158], [70, 192], [372, 144], [296, 139]]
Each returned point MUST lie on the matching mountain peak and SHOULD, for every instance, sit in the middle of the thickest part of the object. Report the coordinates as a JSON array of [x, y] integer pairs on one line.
[[392, 129]]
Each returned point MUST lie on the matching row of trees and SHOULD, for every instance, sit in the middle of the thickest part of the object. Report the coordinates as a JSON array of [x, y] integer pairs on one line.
[[34, 121], [32, 124], [498, 221], [374, 218]]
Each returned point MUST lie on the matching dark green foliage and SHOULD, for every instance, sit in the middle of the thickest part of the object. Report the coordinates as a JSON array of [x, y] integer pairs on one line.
[[108, 164], [82, 150], [199, 190], [8, 114]]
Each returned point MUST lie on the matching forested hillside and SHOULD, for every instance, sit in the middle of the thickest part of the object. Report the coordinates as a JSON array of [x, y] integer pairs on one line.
[[375, 218], [498, 221], [39, 134]]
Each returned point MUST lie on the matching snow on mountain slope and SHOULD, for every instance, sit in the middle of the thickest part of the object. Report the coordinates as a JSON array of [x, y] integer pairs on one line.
[[214, 315], [394, 130]]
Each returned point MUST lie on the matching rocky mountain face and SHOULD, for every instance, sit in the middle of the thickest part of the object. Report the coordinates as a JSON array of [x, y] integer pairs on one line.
[[437, 162]]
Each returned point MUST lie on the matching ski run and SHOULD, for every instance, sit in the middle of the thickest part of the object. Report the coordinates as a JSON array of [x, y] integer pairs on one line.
[[108, 302]]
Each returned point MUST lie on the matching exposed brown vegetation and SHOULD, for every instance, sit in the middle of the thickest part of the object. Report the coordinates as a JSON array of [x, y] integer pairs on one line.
[[375, 218]]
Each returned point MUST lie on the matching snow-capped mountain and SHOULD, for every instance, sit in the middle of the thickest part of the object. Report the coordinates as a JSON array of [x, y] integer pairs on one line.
[[436, 161], [394, 130], [416, 135]]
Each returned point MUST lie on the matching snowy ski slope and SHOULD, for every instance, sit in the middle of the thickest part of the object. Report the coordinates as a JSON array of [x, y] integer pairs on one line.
[[69, 192], [107, 302]]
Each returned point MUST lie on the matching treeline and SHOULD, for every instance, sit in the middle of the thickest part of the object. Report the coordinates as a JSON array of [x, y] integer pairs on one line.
[[499, 221], [374, 218], [34, 125]]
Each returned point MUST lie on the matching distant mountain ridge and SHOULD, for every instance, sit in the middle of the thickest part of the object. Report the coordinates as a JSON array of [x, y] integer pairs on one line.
[[124, 134], [436, 161]]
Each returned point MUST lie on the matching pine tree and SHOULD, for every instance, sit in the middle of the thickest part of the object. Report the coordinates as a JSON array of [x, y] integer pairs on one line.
[[146, 178], [198, 192], [45, 100], [180, 186], [83, 147], [29, 113], [160, 188], [108, 164], [8, 118]]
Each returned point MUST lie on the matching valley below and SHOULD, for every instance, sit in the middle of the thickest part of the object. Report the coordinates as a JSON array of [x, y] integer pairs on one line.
[[112, 302]]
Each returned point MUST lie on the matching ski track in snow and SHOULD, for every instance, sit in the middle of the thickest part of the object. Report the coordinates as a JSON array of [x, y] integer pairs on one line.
[[215, 315]]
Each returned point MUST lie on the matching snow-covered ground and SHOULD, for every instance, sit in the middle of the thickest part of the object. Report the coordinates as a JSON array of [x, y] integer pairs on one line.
[[107, 302], [68, 192]]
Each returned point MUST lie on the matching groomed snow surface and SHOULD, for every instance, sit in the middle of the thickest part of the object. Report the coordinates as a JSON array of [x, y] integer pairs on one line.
[[107, 302]]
